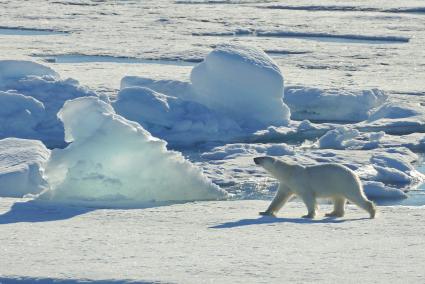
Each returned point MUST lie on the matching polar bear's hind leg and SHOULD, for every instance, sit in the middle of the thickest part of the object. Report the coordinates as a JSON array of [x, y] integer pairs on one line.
[[339, 210], [361, 201]]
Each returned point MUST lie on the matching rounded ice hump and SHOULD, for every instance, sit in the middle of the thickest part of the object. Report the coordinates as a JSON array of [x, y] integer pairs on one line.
[[17, 69], [114, 162], [244, 83]]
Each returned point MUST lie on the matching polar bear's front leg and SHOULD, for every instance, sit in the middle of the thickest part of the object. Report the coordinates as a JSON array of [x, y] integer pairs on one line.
[[310, 201], [283, 194]]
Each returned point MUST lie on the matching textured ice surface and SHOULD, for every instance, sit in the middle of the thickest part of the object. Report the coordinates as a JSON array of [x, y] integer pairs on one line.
[[179, 122], [21, 167], [115, 162], [241, 82], [232, 165], [344, 137], [38, 95]]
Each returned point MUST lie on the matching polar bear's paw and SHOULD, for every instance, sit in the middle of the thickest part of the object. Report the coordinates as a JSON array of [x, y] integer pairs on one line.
[[334, 214], [266, 213], [309, 216]]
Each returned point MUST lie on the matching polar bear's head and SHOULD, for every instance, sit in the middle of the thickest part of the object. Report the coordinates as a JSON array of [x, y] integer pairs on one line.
[[268, 163], [280, 169]]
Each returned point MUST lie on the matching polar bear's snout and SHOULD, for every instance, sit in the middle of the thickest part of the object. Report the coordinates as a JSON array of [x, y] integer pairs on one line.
[[262, 160], [257, 160]]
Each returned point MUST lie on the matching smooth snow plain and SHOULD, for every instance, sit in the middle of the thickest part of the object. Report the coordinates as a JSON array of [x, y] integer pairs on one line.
[[220, 82]]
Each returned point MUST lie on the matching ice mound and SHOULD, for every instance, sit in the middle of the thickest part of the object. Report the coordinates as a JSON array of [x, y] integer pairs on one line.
[[19, 115], [378, 191], [344, 137], [21, 163], [115, 162], [231, 151], [332, 105], [172, 88], [14, 70], [397, 118], [395, 110], [178, 121], [392, 167], [34, 80], [243, 83]]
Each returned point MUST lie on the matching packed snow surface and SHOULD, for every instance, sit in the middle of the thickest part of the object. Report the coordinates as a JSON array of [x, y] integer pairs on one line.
[[21, 167], [209, 242], [115, 162]]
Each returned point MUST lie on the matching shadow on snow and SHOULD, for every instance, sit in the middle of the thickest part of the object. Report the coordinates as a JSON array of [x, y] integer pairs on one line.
[[24, 280], [34, 211], [272, 220]]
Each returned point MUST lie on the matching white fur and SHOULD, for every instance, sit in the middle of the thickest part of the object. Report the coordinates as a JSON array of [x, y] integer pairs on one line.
[[320, 181]]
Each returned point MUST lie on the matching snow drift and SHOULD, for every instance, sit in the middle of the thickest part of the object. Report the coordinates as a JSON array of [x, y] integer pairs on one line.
[[38, 95], [115, 162], [241, 82], [21, 164]]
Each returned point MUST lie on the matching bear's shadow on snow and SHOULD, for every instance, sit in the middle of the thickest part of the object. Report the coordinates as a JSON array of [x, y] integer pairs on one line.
[[274, 220]]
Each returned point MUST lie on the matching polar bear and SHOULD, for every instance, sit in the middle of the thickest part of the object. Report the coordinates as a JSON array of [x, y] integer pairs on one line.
[[325, 180]]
